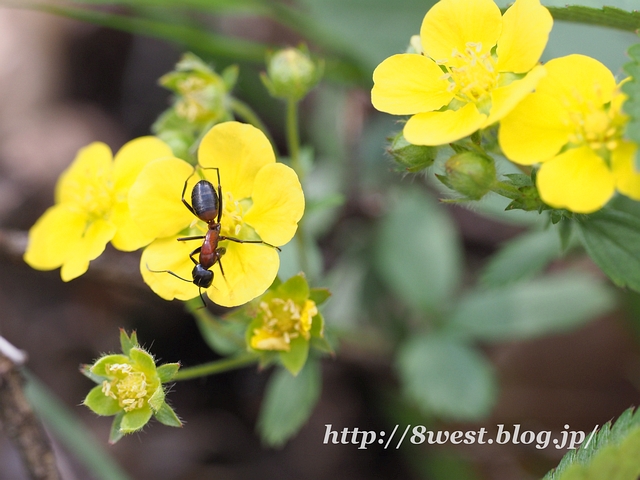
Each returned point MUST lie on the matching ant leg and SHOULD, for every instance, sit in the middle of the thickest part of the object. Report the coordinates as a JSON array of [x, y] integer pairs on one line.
[[197, 250], [184, 189], [169, 272], [237, 240], [197, 237]]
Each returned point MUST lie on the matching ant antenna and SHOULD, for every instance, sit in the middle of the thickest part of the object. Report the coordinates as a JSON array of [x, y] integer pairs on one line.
[[204, 304]]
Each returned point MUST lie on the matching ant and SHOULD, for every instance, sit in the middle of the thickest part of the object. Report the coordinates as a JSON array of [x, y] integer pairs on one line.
[[206, 205]]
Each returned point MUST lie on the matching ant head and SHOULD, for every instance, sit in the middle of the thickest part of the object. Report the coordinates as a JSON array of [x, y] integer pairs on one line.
[[202, 277]]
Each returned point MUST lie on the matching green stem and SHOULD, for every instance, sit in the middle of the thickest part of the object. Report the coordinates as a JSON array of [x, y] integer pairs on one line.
[[219, 366], [293, 137], [246, 113], [293, 141]]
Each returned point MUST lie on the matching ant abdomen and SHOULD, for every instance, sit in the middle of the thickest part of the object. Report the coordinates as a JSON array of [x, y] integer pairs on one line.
[[204, 201]]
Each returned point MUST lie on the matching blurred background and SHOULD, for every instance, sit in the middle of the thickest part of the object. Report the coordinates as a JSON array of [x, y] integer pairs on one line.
[[65, 83]]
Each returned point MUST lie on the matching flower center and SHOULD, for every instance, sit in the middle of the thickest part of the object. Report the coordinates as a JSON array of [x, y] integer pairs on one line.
[[599, 126], [93, 193], [282, 321], [472, 75], [232, 214], [129, 387]]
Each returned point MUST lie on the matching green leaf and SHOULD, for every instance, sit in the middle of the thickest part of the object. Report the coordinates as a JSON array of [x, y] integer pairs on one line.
[[126, 342], [418, 251], [167, 371], [98, 368], [446, 378], [116, 433], [294, 359], [223, 337], [319, 295], [101, 404], [606, 16], [529, 309], [632, 105], [522, 258], [167, 416], [135, 419], [288, 403], [612, 454], [611, 237]]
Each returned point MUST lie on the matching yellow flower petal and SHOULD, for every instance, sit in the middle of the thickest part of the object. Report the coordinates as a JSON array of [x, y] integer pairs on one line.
[[129, 236], [525, 31], [132, 157], [93, 166], [578, 80], [155, 197], [169, 254], [451, 24], [407, 84], [239, 151], [53, 237], [504, 99], [535, 130], [278, 204], [622, 164], [249, 270], [577, 180], [89, 247], [438, 128]]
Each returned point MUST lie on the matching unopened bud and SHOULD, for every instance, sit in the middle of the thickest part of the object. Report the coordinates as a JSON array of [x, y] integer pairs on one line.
[[291, 73], [412, 158], [470, 174]]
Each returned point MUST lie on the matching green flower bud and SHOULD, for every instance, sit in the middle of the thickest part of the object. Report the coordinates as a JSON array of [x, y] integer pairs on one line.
[[130, 387], [412, 158], [291, 73], [202, 95], [470, 174]]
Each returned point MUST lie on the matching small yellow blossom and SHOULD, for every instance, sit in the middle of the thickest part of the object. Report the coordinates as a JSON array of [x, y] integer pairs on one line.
[[262, 200], [573, 125], [282, 321], [91, 208], [473, 65]]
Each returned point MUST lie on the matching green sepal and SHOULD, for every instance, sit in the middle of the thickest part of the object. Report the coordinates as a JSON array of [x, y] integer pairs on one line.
[[296, 288], [135, 419], [86, 371], [167, 371], [98, 368], [317, 326], [167, 416], [230, 76], [143, 360], [128, 342], [319, 295], [101, 404], [157, 399], [296, 357], [116, 433]]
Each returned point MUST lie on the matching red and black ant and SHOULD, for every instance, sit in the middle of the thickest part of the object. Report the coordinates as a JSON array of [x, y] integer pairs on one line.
[[206, 204]]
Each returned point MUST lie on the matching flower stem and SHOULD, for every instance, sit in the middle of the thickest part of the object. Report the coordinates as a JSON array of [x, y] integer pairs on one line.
[[218, 366], [246, 113], [293, 142]]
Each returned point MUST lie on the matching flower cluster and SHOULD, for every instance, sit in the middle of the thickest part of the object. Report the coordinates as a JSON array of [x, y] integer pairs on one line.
[[471, 68], [135, 200]]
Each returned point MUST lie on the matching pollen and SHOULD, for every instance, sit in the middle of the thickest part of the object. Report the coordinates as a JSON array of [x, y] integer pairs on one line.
[[129, 387], [598, 126], [282, 321], [472, 74], [232, 215]]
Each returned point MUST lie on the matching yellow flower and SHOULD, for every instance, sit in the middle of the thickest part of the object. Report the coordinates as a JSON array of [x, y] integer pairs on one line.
[[262, 200], [573, 124], [91, 208], [281, 321], [475, 65]]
